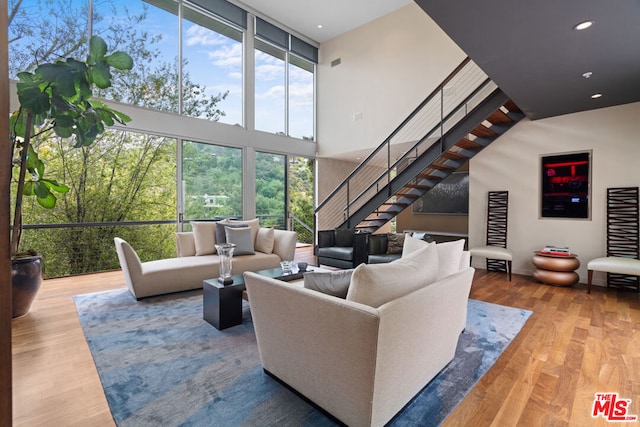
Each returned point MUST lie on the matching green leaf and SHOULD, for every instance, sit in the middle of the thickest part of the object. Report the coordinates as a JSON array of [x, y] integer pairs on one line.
[[34, 100], [97, 48], [18, 123], [54, 185], [100, 75], [34, 164], [26, 77], [27, 190], [121, 117], [63, 132], [41, 190], [48, 202], [119, 61]]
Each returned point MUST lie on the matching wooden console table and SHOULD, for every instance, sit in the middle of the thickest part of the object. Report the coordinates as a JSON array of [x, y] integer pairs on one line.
[[557, 270]]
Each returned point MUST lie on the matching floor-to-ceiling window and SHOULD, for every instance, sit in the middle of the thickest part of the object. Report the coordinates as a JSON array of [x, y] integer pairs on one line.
[[271, 197], [270, 88], [211, 181]]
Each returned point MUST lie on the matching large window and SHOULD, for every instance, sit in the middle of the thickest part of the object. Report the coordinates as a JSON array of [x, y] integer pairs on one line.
[[148, 34], [212, 68], [270, 190], [301, 99], [270, 86], [211, 181]]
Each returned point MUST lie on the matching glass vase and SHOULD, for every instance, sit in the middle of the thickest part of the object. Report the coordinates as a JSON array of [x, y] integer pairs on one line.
[[225, 251]]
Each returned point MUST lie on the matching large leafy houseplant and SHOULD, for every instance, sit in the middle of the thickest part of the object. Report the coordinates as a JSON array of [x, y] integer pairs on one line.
[[57, 97]]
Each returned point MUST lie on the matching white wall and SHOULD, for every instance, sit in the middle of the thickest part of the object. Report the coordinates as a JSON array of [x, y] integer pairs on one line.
[[513, 163], [387, 68]]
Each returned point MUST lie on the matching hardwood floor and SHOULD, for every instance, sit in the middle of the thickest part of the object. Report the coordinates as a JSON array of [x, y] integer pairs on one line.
[[573, 346]]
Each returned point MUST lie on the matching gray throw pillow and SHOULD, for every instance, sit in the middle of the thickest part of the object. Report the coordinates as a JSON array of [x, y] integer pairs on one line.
[[334, 283], [221, 235], [242, 238]]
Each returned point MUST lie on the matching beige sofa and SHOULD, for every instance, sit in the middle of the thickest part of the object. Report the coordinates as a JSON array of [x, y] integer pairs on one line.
[[188, 270], [363, 363]]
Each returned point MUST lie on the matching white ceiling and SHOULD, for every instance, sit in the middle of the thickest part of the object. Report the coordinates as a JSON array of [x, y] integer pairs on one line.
[[335, 16]]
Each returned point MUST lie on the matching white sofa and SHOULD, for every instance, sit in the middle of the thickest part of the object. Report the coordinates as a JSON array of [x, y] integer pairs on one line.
[[362, 363], [188, 270]]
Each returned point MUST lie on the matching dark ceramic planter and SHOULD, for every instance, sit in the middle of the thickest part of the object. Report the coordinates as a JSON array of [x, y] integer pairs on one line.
[[26, 278]]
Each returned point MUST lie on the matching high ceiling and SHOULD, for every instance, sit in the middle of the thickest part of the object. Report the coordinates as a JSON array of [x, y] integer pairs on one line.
[[335, 16], [529, 49]]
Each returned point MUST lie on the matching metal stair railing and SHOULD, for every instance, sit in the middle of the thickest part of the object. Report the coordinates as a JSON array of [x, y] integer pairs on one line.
[[465, 88]]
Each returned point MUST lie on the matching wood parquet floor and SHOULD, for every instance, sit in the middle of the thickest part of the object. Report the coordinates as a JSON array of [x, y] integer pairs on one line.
[[573, 346]]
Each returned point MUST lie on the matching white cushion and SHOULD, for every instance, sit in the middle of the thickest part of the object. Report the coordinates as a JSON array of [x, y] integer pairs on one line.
[[265, 239], [242, 238], [204, 235], [412, 244], [377, 284], [449, 256], [492, 252], [619, 265]]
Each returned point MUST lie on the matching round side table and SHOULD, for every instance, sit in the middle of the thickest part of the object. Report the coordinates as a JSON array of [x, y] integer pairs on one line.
[[557, 270]]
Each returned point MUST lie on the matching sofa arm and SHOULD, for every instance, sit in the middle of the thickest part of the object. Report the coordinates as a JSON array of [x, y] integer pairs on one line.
[[129, 262], [284, 244], [306, 339]]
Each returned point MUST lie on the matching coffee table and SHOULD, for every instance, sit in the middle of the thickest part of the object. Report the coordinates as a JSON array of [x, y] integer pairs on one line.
[[222, 304]]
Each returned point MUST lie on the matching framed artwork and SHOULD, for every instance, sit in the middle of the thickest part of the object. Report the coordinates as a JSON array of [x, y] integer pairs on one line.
[[565, 180], [449, 197]]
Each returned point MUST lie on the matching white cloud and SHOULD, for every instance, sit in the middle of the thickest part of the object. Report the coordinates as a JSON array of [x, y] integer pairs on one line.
[[200, 36]]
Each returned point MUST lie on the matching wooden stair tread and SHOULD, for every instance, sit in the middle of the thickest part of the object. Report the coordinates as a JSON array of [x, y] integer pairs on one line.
[[442, 167], [512, 107], [453, 155], [482, 131], [498, 117], [468, 144], [418, 186], [407, 195]]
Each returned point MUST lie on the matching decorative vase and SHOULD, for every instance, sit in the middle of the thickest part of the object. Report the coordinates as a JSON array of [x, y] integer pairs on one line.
[[26, 278], [225, 251]]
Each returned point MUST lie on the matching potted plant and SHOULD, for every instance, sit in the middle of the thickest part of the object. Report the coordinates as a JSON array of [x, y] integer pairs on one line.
[[56, 97]]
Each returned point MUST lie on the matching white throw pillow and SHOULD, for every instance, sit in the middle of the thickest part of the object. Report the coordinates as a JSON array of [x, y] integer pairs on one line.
[[241, 237], [449, 255], [412, 244], [377, 284], [265, 239], [204, 236]]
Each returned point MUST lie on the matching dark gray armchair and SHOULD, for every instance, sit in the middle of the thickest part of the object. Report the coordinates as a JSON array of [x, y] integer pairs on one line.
[[342, 248]]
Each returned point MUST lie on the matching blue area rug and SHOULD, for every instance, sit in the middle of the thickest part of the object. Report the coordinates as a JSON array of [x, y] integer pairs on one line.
[[161, 364]]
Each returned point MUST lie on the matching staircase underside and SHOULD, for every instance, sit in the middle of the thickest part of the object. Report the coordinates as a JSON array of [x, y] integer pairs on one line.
[[418, 175]]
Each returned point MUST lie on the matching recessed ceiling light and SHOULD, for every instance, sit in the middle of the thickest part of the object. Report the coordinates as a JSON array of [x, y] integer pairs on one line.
[[596, 95], [587, 74], [319, 25], [583, 25]]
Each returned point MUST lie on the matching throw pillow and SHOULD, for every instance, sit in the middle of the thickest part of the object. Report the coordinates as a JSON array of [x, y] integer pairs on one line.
[[242, 238], [254, 224], [265, 240], [204, 236], [334, 283], [412, 244], [221, 236], [449, 254], [377, 284], [394, 243]]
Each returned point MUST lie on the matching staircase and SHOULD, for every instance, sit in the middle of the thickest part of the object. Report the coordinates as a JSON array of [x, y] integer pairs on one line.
[[463, 115]]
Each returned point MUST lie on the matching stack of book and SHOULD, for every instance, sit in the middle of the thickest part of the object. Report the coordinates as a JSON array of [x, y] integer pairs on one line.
[[556, 251]]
